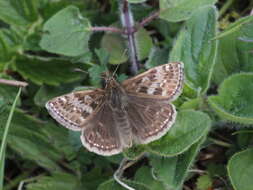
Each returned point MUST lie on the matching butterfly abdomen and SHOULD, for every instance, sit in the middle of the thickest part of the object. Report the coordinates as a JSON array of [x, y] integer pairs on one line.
[[123, 127]]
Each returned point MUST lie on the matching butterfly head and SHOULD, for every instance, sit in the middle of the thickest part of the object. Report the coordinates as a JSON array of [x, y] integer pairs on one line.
[[108, 81]]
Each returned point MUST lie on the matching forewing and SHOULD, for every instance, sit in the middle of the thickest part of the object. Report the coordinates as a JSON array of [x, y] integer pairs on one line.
[[162, 82], [150, 120], [75, 109], [101, 135]]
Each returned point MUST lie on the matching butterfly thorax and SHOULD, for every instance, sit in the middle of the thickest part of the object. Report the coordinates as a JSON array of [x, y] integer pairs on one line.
[[115, 95], [117, 100]]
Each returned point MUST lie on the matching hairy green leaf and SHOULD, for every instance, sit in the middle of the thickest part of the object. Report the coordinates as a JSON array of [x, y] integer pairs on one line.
[[235, 101], [143, 43], [52, 72], [179, 10], [172, 171], [157, 57], [134, 152], [63, 181], [144, 175], [190, 126], [7, 94], [67, 33], [9, 44], [234, 53], [235, 27], [240, 170], [196, 50], [204, 182], [18, 12], [115, 45], [43, 143], [25, 138]]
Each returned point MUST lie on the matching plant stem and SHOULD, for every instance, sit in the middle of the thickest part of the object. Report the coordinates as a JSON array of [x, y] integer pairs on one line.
[[13, 83], [220, 143], [4, 139], [106, 29], [128, 23], [148, 19]]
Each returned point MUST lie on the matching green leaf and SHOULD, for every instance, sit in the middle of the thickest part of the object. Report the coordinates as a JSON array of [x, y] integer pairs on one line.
[[18, 12], [63, 181], [191, 104], [157, 57], [196, 50], [179, 10], [235, 26], [115, 45], [143, 43], [67, 33], [7, 94], [190, 126], [112, 184], [173, 171], [234, 54], [234, 101], [144, 175], [204, 182], [136, 1], [52, 72], [215, 169], [92, 179], [95, 72], [103, 56], [134, 152], [58, 137], [9, 44], [42, 143], [240, 170]]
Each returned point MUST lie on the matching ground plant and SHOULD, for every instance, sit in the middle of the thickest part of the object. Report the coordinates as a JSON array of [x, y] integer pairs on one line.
[[52, 47]]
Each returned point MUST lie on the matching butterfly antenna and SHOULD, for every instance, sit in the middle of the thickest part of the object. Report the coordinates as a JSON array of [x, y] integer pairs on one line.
[[124, 53], [114, 73]]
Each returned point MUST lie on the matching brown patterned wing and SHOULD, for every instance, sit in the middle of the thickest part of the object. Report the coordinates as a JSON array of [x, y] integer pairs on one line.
[[74, 110], [161, 82], [150, 120], [101, 135]]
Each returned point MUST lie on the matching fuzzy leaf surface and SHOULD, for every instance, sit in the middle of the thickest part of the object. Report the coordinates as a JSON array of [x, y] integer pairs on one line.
[[179, 10], [67, 33], [196, 50], [189, 127], [240, 170], [234, 101]]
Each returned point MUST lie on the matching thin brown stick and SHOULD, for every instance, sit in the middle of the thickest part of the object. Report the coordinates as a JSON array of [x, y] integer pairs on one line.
[[106, 29], [127, 22], [13, 83], [149, 19]]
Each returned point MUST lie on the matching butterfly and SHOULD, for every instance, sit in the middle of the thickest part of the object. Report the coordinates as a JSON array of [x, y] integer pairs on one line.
[[137, 111]]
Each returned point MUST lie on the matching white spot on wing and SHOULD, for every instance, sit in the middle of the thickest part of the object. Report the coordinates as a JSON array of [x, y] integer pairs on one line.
[[87, 108]]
